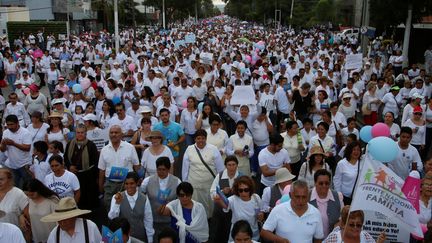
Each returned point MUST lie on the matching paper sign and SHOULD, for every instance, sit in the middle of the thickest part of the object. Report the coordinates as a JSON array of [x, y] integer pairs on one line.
[[354, 61], [243, 95], [308, 41], [109, 237], [375, 223], [118, 173], [99, 137], [222, 195], [179, 43], [190, 38]]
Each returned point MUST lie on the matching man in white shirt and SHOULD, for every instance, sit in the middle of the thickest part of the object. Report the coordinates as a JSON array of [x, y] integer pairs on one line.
[[217, 136], [408, 158], [182, 92], [10, 232], [18, 109], [296, 220], [16, 143], [126, 122], [283, 105], [117, 153], [70, 228], [271, 158]]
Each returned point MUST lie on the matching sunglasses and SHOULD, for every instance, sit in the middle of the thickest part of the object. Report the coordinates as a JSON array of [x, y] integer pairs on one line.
[[241, 190], [358, 226]]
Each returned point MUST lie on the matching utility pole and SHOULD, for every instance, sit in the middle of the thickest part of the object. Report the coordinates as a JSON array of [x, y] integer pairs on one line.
[[291, 14], [407, 36], [67, 23], [365, 23], [116, 27], [163, 14]]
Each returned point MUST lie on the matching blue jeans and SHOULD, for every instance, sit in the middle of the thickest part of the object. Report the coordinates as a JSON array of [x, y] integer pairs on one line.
[[189, 139], [11, 80], [21, 173], [254, 163]]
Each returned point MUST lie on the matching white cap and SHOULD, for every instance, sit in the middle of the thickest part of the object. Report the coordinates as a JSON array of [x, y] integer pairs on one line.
[[347, 95], [144, 109], [56, 101], [180, 70], [90, 117]]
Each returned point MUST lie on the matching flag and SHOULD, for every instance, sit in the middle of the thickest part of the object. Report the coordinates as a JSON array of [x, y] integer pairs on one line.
[[411, 189], [222, 195], [379, 189], [109, 237], [118, 173]]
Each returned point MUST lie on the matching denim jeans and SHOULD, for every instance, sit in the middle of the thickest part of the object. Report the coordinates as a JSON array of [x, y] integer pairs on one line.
[[11, 80]]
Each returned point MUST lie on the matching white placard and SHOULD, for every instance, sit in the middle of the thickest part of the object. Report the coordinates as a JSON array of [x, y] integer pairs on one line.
[[308, 41], [243, 95], [99, 137], [354, 61], [375, 223]]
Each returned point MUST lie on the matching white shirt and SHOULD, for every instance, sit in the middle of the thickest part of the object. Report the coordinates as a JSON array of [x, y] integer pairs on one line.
[[283, 104], [13, 204], [266, 197], [148, 160], [273, 162], [78, 236], [163, 183], [125, 156], [287, 224], [128, 123], [11, 233], [219, 139], [188, 120], [260, 132], [391, 104], [208, 148], [148, 216], [345, 177], [17, 158], [419, 133], [65, 185], [402, 165]]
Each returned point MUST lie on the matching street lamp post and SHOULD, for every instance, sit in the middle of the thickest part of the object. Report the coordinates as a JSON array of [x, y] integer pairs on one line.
[[116, 27], [163, 14]]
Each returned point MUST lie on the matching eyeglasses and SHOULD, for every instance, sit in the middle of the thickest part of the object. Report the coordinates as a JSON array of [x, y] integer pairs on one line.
[[358, 226], [324, 183], [241, 190]]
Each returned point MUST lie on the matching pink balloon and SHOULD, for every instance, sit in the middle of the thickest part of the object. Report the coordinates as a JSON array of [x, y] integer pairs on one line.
[[184, 104], [261, 42], [248, 58], [26, 91], [131, 67], [38, 53], [380, 130], [286, 190]]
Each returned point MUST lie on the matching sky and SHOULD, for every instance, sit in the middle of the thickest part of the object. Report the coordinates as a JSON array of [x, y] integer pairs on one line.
[[218, 2]]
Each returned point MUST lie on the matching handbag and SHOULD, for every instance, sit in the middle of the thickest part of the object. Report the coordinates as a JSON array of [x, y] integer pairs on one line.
[[3, 83], [366, 109], [205, 164]]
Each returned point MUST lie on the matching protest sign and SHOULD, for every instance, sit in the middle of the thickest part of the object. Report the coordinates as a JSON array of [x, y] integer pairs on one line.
[[308, 41], [379, 189], [243, 95], [99, 137], [375, 223], [118, 173], [111, 237], [190, 38], [179, 43], [354, 61]]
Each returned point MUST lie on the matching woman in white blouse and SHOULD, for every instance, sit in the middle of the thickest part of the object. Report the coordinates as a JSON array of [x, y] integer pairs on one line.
[[418, 126], [315, 162], [152, 153], [347, 171], [371, 99], [394, 128], [426, 199], [294, 144], [188, 120]]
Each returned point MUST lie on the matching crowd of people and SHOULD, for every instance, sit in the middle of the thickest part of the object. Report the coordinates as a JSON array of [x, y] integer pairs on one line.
[[196, 166]]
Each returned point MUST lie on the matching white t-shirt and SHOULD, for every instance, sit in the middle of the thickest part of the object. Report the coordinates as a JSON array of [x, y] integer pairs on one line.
[[345, 177], [65, 185], [59, 136], [17, 158], [273, 162], [287, 224], [245, 210], [402, 165], [11, 233], [260, 133], [13, 205], [148, 160]]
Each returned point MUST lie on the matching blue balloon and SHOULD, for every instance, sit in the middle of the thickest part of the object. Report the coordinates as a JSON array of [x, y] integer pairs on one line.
[[285, 198], [366, 133], [76, 88], [383, 149], [116, 100]]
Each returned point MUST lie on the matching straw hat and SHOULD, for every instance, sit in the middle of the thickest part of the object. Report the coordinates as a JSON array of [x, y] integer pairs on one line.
[[283, 175], [55, 114], [316, 150], [65, 209], [155, 133]]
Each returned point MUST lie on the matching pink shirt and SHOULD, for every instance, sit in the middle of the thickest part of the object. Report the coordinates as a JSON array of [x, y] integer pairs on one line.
[[322, 207]]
